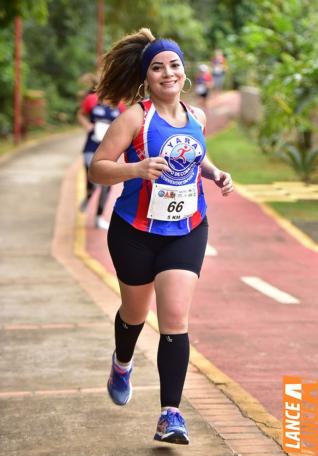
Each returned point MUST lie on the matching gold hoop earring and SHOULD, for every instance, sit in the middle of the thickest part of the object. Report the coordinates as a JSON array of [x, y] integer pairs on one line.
[[190, 85], [139, 95]]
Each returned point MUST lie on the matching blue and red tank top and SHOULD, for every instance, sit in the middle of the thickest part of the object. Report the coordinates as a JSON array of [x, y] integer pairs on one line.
[[184, 149]]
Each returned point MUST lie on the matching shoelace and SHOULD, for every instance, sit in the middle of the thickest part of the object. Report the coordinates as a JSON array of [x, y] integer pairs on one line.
[[123, 378], [175, 418]]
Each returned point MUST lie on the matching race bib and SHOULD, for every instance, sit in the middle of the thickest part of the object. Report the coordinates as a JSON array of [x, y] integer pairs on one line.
[[172, 203], [100, 129], [218, 69], [200, 89]]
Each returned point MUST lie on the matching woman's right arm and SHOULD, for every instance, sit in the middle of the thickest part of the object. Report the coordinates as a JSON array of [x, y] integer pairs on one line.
[[84, 121], [106, 170]]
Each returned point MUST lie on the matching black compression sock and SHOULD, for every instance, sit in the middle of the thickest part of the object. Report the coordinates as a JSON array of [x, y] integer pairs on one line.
[[172, 360], [125, 338]]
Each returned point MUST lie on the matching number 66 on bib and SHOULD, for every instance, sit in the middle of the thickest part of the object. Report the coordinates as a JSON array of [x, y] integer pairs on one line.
[[172, 203]]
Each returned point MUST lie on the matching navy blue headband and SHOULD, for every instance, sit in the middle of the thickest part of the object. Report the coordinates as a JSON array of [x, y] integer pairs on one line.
[[154, 48]]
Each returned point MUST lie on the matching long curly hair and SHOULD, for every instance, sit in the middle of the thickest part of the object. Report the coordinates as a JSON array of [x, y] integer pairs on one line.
[[121, 73]]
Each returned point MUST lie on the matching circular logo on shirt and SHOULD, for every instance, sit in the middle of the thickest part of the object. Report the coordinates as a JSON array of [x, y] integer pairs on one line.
[[182, 153]]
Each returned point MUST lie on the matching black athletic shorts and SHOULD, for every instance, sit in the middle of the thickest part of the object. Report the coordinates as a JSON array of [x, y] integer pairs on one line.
[[139, 256]]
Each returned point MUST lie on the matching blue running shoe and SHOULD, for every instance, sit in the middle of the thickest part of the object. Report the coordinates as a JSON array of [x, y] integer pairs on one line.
[[171, 428], [119, 385]]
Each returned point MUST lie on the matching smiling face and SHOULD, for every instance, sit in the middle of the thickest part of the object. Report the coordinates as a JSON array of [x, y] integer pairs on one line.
[[165, 75]]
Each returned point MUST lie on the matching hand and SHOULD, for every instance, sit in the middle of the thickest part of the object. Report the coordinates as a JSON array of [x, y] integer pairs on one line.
[[224, 181], [152, 168], [89, 127]]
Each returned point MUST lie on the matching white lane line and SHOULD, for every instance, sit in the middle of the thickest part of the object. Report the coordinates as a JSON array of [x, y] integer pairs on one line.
[[269, 290], [210, 251]]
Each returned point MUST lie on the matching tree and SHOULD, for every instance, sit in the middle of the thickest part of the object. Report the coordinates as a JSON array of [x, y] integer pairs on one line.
[[59, 52], [166, 18], [9, 9], [60, 42], [222, 19], [6, 79], [280, 50]]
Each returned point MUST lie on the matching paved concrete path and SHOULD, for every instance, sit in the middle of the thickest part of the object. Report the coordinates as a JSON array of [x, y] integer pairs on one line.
[[57, 337]]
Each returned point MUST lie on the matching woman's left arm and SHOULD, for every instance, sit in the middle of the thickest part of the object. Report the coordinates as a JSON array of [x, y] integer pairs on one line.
[[221, 178], [208, 170]]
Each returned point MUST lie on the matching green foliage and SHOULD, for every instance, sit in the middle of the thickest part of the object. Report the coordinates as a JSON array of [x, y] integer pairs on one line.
[[166, 18], [6, 80], [228, 18], [59, 44], [233, 149], [280, 53], [302, 160], [55, 55], [302, 210], [186, 29], [221, 20], [9, 9], [59, 53]]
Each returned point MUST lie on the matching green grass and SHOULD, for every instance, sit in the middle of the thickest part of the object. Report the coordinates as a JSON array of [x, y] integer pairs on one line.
[[234, 152], [6, 145], [307, 211]]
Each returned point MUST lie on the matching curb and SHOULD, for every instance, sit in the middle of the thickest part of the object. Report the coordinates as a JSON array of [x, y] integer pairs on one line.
[[288, 226]]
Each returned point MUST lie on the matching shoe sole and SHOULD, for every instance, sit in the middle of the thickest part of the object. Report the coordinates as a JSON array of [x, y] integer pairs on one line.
[[177, 438], [102, 226], [119, 403]]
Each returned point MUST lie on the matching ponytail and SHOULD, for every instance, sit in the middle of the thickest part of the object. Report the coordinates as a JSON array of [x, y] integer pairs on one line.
[[121, 69]]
